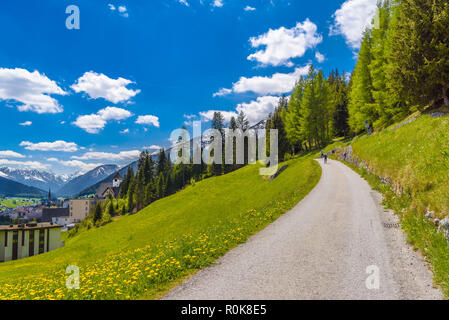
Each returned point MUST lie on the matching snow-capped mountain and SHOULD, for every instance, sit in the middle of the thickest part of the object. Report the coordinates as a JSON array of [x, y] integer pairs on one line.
[[34, 178], [81, 182]]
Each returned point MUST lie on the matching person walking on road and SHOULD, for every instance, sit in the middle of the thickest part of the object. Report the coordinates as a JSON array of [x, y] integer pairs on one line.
[[325, 158]]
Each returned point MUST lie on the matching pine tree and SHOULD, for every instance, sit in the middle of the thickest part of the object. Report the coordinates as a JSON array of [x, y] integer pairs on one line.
[[418, 51], [292, 117], [339, 92], [98, 212], [275, 121], [127, 181], [361, 102], [242, 121], [218, 124]]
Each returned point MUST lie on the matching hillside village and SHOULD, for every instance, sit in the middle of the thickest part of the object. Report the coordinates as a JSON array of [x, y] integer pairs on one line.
[[65, 212]]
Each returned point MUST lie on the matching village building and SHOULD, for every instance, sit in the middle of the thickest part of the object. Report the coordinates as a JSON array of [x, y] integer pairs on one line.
[[49, 213], [26, 240], [110, 189], [79, 209]]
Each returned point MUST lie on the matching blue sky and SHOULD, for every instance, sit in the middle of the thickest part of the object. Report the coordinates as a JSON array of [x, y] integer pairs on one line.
[[136, 70]]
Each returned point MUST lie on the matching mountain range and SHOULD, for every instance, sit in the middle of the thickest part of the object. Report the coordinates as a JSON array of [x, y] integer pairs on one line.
[[77, 184], [34, 178]]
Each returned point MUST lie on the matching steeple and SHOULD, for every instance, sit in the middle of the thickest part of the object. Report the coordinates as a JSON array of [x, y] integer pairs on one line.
[[49, 197]]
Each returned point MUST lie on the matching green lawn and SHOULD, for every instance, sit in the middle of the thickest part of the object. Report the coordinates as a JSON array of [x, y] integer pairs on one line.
[[14, 202], [143, 254]]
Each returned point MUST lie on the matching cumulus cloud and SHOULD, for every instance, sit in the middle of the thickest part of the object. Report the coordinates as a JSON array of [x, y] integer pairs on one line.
[[255, 110], [222, 92], [24, 164], [94, 123], [259, 109], [114, 113], [91, 123], [319, 57], [119, 157], [148, 120], [278, 83], [10, 154], [249, 8], [101, 86], [208, 115], [218, 3], [154, 147], [59, 145], [281, 45], [352, 19], [125, 131], [111, 7], [32, 90], [26, 123], [184, 2]]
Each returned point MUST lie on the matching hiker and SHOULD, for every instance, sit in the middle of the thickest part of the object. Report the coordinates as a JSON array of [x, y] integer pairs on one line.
[[325, 158], [321, 154]]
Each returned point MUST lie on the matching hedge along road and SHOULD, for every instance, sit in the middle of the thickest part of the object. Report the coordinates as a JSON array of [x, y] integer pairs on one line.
[[337, 243]]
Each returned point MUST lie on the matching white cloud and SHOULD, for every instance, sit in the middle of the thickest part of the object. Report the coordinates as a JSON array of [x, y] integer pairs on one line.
[[31, 89], [111, 7], [218, 3], [101, 86], [154, 147], [122, 9], [184, 2], [121, 156], [259, 109], [24, 164], [50, 146], [281, 45], [113, 113], [255, 110], [222, 92], [319, 57], [352, 19], [278, 83], [208, 115], [91, 123], [249, 8], [125, 131], [10, 154], [94, 123], [148, 120], [26, 123], [82, 166]]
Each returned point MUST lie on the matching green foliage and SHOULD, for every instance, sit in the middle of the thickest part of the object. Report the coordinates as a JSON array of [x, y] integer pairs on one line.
[[418, 69], [361, 102]]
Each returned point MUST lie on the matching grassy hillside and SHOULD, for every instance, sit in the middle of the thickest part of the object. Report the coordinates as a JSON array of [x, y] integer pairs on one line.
[[416, 157], [143, 254]]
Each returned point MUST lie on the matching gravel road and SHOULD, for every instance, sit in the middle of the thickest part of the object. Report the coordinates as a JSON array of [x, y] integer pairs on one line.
[[321, 249]]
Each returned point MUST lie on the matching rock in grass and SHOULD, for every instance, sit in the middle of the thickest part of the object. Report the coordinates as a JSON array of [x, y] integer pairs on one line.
[[444, 223]]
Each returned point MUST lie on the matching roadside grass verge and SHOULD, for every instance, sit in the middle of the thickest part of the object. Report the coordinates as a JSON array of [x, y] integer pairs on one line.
[[142, 255], [421, 233], [416, 157]]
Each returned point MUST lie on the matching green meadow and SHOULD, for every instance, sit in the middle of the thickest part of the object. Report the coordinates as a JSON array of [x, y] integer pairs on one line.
[[143, 255]]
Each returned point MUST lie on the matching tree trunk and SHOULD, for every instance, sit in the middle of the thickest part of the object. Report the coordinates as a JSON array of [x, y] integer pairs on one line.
[[445, 97]]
